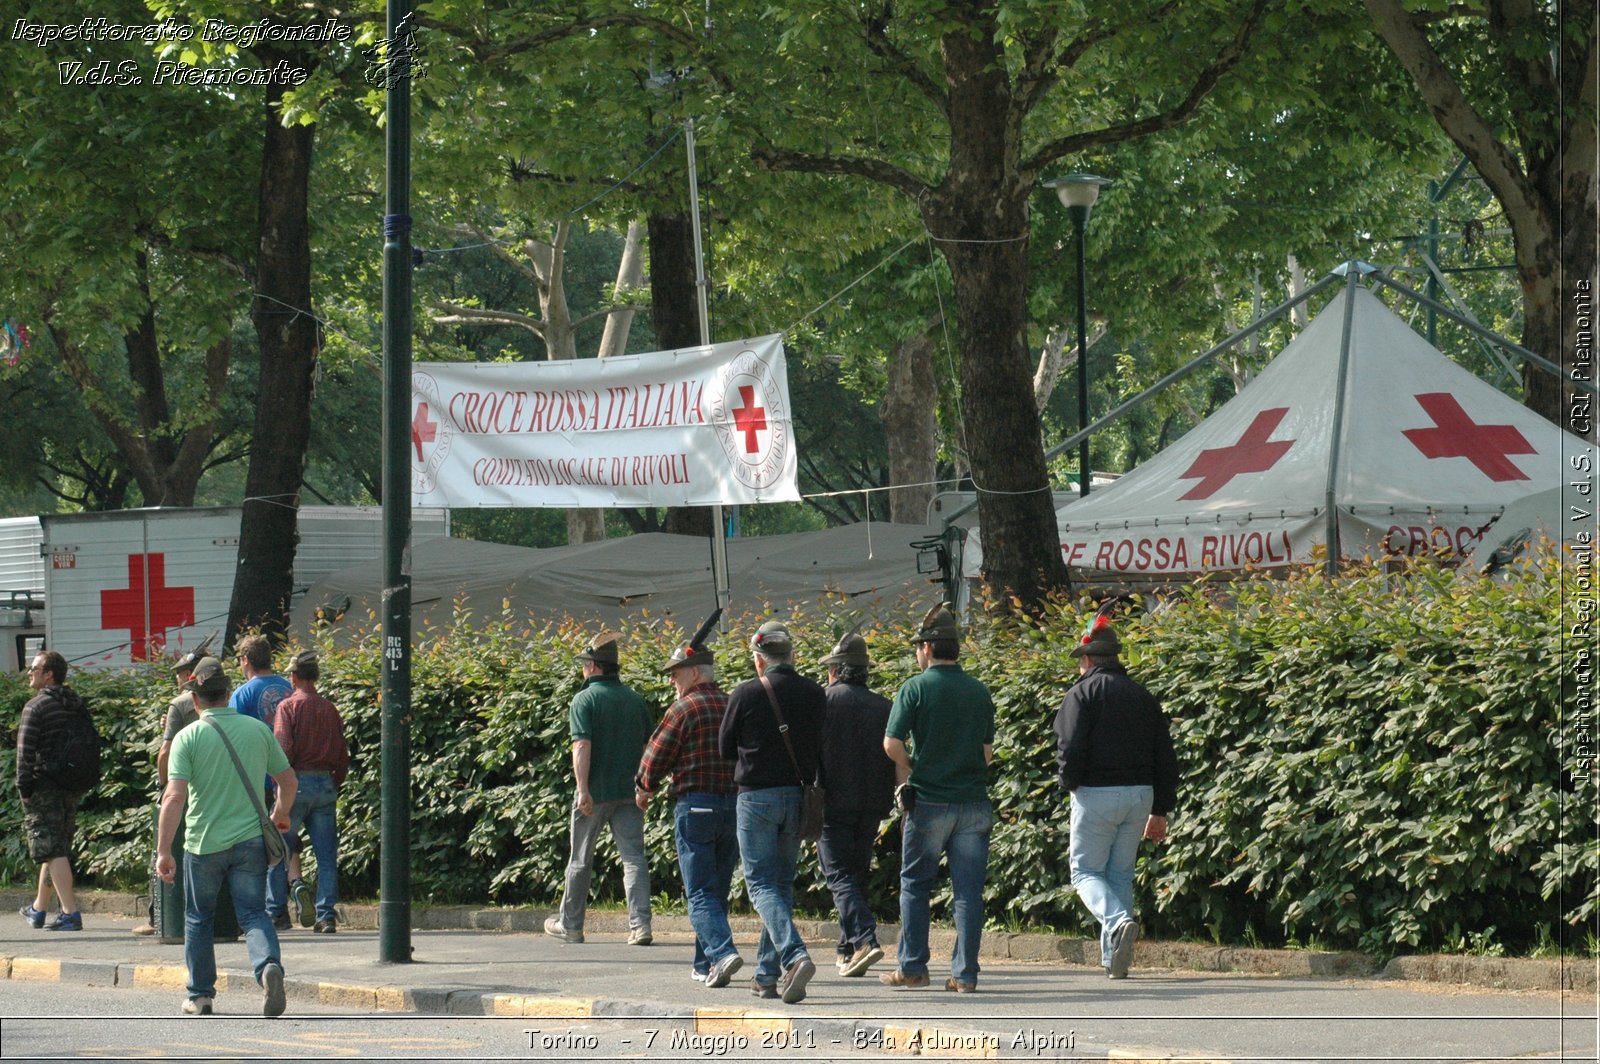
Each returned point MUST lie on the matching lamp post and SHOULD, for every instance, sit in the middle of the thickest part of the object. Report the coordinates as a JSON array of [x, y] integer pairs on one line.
[[1077, 193]]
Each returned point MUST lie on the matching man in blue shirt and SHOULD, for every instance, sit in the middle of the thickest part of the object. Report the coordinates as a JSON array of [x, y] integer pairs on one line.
[[258, 697]]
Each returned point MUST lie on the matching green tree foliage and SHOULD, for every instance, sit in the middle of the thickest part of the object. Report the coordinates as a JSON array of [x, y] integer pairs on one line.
[[1362, 774], [130, 292]]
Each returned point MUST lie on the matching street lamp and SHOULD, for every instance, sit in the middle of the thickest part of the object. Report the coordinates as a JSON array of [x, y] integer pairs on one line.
[[1077, 193]]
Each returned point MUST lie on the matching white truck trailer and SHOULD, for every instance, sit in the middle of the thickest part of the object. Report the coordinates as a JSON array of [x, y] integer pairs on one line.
[[123, 587]]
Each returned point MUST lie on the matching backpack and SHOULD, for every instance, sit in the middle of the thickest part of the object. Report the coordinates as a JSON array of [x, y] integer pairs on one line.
[[72, 753]]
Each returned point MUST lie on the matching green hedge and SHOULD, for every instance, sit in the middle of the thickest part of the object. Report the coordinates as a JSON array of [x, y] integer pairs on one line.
[[1377, 760]]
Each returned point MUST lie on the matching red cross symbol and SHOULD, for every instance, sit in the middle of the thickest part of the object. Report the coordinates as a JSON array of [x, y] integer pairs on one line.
[[1252, 454], [125, 608], [422, 430], [749, 419], [1456, 435]]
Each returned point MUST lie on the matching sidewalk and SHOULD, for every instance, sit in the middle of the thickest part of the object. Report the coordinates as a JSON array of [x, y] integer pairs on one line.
[[1036, 996]]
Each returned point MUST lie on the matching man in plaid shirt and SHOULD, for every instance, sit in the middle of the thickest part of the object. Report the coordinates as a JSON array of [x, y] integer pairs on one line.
[[684, 747]]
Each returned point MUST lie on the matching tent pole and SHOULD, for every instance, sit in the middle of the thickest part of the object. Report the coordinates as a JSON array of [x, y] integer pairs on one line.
[[1515, 349], [719, 532], [1330, 500]]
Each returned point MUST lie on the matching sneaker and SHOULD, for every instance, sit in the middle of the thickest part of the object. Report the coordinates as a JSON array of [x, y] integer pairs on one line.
[[841, 962], [35, 917], [697, 975], [1122, 940], [65, 922], [144, 930], [282, 922], [721, 973], [325, 927], [553, 928], [197, 1006], [763, 990], [900, 979], [640, 936], [795, 979], [960, 986], [272, 982], [305, 900], [864, 958]]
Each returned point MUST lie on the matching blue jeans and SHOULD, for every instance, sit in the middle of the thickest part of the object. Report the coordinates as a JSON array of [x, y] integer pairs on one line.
[[704, 828], [626, 821], [314, 804], [845, 850], [1107, 824], [769, 843], [243, 867], [962, 833]]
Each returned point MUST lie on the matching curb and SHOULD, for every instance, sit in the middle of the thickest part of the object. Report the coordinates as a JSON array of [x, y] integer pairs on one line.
[[1574, 974], [710, 1030]]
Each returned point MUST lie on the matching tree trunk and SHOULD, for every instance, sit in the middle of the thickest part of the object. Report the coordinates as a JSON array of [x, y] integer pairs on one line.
[[1550, 325], [630, 275], [584, 524], [987, 251], [909, 412], [281, 313], [675, 314]]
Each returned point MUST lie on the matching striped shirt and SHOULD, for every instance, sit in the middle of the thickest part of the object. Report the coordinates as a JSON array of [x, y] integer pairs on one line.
[[684, 746]]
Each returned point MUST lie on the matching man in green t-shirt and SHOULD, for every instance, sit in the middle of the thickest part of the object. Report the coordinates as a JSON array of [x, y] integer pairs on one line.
[[948, 719], [610, 725], [218, 802]]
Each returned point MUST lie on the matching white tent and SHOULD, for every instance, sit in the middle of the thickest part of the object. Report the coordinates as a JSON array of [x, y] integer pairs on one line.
[[1358, 437]]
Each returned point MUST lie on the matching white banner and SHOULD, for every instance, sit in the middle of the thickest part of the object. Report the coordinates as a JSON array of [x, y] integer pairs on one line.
[[694, 427]]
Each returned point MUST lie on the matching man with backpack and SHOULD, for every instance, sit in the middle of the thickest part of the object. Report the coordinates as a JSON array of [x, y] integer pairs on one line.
[[58, 759]]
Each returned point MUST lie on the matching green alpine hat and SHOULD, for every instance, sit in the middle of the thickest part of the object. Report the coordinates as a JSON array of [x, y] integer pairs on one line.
[[602, 650], [938, 623], [850, 650]]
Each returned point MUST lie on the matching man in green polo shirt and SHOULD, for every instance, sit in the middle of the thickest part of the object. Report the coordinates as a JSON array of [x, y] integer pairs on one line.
[[216, 800], [610, 725], [948, 719]]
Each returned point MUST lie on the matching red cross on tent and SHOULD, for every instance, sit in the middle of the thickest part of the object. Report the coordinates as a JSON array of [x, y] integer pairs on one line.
[[1456, 435], [423, 430], [134, 607], [1254, 453], [749, 419]]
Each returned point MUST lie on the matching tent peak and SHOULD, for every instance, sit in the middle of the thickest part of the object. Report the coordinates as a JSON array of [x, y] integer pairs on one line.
[[1355, 266]]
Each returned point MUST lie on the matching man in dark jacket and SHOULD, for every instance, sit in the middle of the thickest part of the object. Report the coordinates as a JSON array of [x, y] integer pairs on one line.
[[859, 778], [769, 800], [50, 811], [1114, 753]]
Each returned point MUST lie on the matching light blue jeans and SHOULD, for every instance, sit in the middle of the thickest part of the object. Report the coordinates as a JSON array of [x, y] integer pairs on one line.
[[769, 843], [960, 831], [1107, 824], [243, 867]]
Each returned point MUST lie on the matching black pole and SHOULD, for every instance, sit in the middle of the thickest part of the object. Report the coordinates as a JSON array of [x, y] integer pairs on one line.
[[1080, 221], [394, 863]]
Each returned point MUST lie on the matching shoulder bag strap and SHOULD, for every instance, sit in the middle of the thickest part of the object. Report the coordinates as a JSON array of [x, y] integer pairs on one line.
[[783, 728], [244, 777]]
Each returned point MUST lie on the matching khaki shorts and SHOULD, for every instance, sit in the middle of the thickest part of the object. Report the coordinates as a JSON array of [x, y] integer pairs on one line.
[[51, 819]]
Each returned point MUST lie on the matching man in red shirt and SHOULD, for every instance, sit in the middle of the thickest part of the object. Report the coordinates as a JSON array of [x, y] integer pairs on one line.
[[311, 733], [684, 747]]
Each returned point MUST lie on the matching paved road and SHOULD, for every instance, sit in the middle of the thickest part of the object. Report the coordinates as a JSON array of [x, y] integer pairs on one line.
[[604, 987]]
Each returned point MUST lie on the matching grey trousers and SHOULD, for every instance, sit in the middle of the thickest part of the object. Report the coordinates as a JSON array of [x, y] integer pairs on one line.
[[626, 821]]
